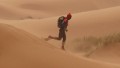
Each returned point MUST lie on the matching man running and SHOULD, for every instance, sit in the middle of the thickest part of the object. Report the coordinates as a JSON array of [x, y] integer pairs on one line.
[[62, 25]]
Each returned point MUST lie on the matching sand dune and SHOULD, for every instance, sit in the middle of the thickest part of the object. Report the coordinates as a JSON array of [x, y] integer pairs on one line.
[[10, 12], [27, 23], [63, 6], [27, 51], [44, 9], [7, 12], [56, 7], [106, 21], [94, 23]]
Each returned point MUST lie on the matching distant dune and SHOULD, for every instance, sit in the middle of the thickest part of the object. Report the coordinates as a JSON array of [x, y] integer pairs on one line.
[[56, 7], [7, 12], [43, 9]]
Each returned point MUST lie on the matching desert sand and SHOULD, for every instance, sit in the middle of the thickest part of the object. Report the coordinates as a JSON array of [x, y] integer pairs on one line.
[[24, 24]]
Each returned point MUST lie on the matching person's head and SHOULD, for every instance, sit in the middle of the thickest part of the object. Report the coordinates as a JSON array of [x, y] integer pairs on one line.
[[69, 16]]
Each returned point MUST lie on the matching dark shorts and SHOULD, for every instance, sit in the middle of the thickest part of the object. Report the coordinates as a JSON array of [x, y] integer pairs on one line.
[[62, 34]]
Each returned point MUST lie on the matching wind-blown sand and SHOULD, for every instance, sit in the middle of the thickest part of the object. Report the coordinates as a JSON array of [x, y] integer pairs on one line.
[[25, 24], [108, 53]]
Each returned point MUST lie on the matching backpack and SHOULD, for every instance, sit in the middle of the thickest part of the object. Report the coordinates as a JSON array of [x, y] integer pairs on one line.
[[61, 22]]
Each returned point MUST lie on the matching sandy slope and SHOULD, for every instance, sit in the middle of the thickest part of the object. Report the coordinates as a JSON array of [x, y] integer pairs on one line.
[[19, 49], [94, 23]]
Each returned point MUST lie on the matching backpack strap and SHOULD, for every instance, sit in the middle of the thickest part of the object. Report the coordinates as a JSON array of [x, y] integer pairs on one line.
[[65, 20]]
